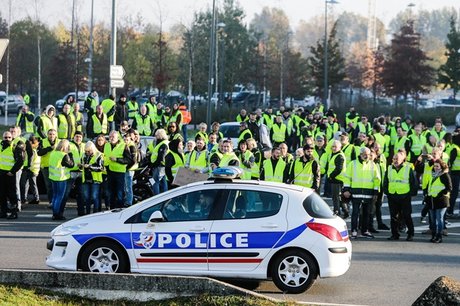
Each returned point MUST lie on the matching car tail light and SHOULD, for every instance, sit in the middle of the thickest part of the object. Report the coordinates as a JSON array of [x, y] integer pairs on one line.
[[326, 230]]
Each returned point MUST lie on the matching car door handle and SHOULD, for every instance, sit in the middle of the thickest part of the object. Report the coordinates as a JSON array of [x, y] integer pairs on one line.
[[270, 225], [198, 229]]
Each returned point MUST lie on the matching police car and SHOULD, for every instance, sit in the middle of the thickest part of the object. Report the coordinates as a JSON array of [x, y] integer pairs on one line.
[[223, 228]]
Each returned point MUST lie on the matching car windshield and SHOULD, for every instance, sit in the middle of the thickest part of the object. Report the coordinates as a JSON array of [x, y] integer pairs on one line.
[[230, 131], [316, 207]]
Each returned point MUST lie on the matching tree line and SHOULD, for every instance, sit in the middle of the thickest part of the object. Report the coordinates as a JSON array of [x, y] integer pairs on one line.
[[422, 54]]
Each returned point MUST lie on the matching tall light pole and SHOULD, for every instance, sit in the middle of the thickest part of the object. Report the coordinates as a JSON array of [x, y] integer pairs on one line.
[[113, 41], [90, 60], [326, 86], [212, 49], [220, 33]]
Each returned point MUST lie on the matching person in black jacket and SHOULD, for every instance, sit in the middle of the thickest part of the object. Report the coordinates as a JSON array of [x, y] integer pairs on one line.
[[334, 174], [121, 111], [176, 148], [157, 161]]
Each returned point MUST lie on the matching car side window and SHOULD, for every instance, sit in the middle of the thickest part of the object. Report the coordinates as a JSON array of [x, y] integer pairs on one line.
[[193, 206], [250, 204]]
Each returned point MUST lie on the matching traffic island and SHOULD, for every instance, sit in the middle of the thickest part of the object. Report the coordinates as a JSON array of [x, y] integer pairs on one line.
[[127, 287], [444, 291]]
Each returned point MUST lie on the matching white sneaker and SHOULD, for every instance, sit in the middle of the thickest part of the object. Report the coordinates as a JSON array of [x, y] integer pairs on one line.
[[354, 234]]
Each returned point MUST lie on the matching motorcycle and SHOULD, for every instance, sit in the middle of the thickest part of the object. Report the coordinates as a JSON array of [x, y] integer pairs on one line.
[[142, 187]]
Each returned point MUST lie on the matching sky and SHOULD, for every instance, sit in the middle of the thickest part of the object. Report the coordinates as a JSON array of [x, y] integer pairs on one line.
[[181, 11]]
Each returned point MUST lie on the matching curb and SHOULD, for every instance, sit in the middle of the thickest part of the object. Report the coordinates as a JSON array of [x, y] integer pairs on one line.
[[129, 287]]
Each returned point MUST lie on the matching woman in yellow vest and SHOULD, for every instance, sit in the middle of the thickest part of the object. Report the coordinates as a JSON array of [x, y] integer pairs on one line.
[[92, 166], [246, 158], [174, 160], [60, 163], [439, 189], [104, 190]]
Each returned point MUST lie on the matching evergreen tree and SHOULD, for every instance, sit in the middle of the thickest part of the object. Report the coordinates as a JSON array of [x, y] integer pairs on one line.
[[406, 70], [336, 62], [449, 73]]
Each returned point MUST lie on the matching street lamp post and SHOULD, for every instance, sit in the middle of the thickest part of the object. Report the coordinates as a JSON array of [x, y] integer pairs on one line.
[[220, 34], [326, 86], [212, 49]]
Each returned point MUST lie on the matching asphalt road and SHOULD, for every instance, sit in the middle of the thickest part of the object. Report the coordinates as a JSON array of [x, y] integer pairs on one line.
[[382, 272]]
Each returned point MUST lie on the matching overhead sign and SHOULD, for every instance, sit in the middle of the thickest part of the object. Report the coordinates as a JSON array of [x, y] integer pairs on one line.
[[117, 72], [117, 83], [3, 44]]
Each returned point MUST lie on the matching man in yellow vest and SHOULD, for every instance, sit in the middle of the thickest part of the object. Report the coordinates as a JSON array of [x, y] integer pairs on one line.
[[336, 168], [143, 122], [46, 122], [197, 160], [78, 117], [274, 169], [26, 119], [398, 184], [245, 132], [108, 107], [11, 160], [133, 107], [77, 148], [361, 184], [30, 171], [66, 123], [229, 157], [279, 131], [132, 147], [454, 167], [97, 123], [116, 159], [45, 148], [91, 102], [305, 171]]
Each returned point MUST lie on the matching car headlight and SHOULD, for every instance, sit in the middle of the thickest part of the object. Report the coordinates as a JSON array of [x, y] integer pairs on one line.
[[67, 230]]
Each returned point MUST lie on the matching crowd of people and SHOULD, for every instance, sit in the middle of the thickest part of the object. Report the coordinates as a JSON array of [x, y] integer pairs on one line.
[[355, 161]]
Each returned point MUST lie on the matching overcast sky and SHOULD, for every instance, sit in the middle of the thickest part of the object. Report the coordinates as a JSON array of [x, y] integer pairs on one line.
[[181, 11]]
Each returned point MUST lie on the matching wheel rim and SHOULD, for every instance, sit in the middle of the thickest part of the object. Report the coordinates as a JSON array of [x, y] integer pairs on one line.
[[103, 260], [293, 271]]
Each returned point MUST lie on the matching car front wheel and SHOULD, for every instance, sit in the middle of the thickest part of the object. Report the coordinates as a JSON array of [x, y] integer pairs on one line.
[[104, 257], [294, 271]]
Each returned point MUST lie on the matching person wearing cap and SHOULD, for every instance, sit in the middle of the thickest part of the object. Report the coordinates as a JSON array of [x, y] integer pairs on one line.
[[279, 131], [121, 111], [416, 143], [97, 123], [401, 141], [242, 116], [361, 183], [305, 171], [47, 121], [245, 132], [268, 117], [275, 169], [351, 120], [133, 107]]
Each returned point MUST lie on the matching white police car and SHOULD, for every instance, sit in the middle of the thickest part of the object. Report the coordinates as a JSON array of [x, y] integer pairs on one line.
[[221, 228]]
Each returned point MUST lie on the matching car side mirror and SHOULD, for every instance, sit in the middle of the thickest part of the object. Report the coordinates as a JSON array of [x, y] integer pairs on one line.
[[157, 216]]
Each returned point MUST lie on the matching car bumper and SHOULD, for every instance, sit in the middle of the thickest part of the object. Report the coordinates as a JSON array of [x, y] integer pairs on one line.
[[64, 253], [334, 260]]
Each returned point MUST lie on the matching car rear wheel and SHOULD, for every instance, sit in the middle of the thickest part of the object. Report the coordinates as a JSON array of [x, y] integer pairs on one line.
[[294, 271], [104, 257]]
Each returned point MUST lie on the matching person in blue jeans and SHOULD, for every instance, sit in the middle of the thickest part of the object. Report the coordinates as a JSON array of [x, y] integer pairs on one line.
[[59, 174], [439, 189], [92, 165]]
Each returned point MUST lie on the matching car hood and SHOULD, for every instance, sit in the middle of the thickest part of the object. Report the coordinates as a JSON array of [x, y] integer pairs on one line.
[[96, 217]]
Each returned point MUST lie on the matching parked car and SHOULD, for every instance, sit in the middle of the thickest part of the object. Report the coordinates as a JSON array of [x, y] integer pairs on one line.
[[231, 130], [14, 103], [81, 100], [223, 227]]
